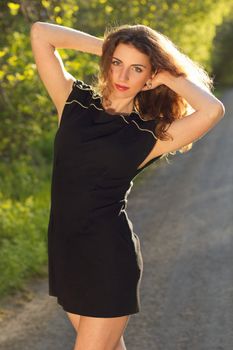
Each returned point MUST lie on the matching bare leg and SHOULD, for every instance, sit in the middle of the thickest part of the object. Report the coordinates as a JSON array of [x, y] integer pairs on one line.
[[96, 333], [74, 319], [121, 344]]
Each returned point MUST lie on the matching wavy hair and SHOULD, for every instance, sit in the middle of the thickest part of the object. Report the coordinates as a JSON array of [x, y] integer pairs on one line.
[[161, 103]]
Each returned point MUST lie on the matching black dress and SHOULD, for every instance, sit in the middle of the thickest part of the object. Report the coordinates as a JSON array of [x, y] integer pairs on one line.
[[94, 258]]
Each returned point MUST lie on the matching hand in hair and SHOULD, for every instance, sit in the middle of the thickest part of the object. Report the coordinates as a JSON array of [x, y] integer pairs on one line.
[[156, 81]]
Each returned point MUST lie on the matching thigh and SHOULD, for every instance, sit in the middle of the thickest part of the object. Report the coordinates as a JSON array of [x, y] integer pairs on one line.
[[74, 319], [100, 333]]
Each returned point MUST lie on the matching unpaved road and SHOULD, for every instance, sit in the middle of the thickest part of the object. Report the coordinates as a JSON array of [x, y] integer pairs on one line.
[[183, 214]]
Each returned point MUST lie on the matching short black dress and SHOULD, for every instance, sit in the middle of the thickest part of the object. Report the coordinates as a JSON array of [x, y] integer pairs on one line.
[[94, 259]]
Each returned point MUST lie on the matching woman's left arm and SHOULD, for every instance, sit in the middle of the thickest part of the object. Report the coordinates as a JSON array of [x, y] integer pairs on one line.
[[208, 112], [198, 98]]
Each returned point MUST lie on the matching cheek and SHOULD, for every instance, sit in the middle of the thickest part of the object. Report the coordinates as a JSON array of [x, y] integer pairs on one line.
[[139, 82], [113, 71], [111, 74]]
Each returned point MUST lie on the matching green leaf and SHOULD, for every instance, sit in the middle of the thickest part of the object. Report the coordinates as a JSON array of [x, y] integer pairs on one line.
[[14, 8]]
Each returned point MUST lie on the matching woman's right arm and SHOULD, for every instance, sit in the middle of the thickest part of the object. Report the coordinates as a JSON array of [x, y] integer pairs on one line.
[[45, 39]]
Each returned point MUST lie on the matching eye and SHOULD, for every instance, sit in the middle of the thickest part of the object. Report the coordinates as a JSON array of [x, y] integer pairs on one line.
[[113, 62], [139, 69]]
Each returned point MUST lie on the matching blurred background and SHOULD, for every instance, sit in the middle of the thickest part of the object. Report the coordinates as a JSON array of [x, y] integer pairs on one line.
[[201, 29]]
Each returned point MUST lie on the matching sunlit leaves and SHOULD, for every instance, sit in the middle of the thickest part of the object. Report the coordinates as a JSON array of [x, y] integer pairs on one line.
[[3, 51], [14, 8], [57, 9], [58, 20], [12, 60], [45, 3], [164, 5], [10, 78], [108, 9], [222, 49], [152, 8]]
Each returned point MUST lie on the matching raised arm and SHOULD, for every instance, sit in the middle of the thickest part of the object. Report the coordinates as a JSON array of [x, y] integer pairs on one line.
[[208, 112], [45, 39]]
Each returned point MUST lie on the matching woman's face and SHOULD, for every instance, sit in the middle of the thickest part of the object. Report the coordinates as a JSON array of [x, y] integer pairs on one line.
[[130, 68]]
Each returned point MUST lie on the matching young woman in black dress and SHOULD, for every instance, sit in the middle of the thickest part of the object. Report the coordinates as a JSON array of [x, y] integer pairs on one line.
[[149, 100]]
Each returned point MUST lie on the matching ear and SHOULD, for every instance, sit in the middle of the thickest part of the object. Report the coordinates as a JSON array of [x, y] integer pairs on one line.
[[147, 86]]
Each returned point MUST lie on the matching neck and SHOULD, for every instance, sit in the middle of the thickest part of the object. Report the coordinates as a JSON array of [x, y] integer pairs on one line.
[[123, 106]]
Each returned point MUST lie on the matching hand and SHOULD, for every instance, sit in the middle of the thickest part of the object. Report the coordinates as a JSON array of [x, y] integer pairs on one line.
[[157, 79]]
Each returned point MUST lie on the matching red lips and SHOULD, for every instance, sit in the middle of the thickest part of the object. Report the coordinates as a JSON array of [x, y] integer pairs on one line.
[[121, 87]]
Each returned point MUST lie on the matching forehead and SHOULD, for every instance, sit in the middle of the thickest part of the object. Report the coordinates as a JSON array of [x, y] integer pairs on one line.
[[129, 53]]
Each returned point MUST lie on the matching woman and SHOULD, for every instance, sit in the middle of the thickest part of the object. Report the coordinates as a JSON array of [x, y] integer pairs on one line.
[[135, 113]]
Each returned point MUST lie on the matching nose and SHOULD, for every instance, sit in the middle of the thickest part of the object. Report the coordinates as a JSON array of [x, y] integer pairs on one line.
[[124, 74]]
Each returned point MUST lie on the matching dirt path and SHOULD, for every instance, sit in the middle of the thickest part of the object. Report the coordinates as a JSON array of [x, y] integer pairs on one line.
[[183, 214]]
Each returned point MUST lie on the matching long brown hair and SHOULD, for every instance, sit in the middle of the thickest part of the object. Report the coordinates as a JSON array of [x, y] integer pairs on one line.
[[160, 103]]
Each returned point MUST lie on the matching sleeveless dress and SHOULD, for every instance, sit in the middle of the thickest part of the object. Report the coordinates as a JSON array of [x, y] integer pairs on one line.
[[94, 259]]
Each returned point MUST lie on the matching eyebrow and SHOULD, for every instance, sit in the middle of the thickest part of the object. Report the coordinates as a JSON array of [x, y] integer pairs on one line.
[[131, 64]]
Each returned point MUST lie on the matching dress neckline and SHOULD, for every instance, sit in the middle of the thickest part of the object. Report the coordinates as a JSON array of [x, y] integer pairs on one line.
[[98, 99], [134, 111], [116, 114]]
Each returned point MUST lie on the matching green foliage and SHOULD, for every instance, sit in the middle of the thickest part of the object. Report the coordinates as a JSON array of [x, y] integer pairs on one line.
[[23, 239], [24, 210], [222, 61], [25, 176], [19, 180]]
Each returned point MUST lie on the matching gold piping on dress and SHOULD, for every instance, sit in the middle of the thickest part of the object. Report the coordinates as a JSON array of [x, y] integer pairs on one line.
[[69, 102], [145, 129]]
